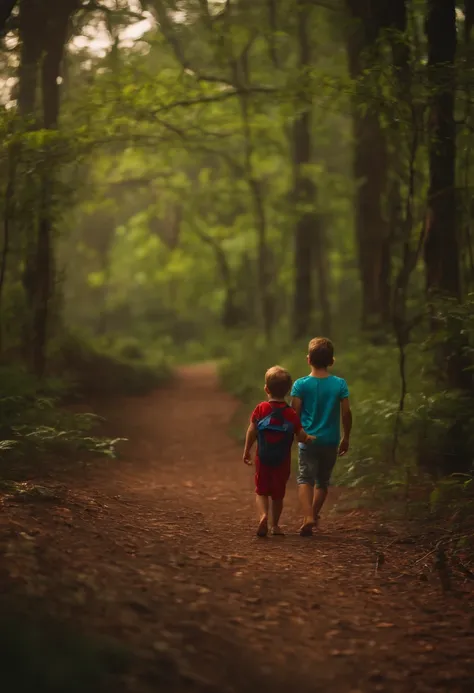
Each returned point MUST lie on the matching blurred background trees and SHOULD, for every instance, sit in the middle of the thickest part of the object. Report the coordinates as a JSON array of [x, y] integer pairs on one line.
[[199, 179]]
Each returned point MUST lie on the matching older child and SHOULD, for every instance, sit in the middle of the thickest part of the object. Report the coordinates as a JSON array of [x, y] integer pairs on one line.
[[273, 425], [321, 399]]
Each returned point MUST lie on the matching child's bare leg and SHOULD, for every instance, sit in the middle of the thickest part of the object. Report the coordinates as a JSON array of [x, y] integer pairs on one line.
[[305, 493], [262, 509], [277, 508], [319, 498]]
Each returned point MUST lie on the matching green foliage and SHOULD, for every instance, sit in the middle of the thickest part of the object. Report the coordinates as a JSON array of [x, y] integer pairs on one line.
[[33, 426], [110, 366], [174, 196], [168, 194]]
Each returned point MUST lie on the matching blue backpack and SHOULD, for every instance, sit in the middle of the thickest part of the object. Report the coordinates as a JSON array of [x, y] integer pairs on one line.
[[274, 453]]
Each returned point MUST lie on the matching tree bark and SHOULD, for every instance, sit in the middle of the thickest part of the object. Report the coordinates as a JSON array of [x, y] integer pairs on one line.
[[369, 18], [31, 29], [240, 76], [57, 25], [7, 218], [43, 32], [309, 238], [442, 244], [398, 228]]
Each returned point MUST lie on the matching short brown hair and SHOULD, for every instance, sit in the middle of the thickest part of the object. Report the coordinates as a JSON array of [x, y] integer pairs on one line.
[[278, 381], [321, 352]]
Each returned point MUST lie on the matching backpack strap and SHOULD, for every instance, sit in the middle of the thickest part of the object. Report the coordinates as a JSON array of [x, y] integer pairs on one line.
[[276, 408], [283, 424], [277, 412]]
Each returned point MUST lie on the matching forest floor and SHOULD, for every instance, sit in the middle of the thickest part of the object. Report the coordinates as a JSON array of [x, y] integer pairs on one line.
[[158, 550]]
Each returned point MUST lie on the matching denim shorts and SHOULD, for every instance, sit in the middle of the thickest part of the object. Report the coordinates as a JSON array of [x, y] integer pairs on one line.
[[315, 464]]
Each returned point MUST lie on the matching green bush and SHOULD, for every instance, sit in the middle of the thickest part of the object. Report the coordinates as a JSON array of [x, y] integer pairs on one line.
[[34, 426], [110, 367]]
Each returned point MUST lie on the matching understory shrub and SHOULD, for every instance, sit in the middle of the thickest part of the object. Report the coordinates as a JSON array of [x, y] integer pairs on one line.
[[33, 425], [110, 367]]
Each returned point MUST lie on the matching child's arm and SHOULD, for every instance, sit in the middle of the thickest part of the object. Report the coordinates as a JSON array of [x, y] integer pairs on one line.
[[304, 437], [250, 438], [301, 436], [296, 404], [346, 415]]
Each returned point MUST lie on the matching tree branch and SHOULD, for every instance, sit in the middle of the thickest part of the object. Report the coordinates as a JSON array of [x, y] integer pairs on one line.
[[217, 98]]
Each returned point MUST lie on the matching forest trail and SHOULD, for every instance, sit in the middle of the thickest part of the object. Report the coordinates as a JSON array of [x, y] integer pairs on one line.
[[161, 553]]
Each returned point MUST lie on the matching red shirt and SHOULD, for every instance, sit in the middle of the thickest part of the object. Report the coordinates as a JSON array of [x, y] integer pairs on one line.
[[265, 408]]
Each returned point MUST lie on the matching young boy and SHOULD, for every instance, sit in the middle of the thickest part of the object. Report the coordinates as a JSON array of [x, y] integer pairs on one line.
[[321, 400], [274, 424]]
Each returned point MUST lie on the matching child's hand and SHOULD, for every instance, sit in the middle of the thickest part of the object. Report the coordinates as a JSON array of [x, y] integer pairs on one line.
[[343, 447], [247, 459], [310, 439]]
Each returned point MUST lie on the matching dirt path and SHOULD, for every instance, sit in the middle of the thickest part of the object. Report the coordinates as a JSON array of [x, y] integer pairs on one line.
[[160, 553]]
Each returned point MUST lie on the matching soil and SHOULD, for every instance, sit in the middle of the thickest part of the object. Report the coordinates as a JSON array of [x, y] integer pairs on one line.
[[158, 550]]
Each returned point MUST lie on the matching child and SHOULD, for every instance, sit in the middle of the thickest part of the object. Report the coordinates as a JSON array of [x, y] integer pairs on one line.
[[274, 424], [321, 400]]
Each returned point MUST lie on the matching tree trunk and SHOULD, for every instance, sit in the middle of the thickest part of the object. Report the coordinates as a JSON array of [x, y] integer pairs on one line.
[[7, 218], [43, 32], [309, 237], [55, 39], [303, 192], [31, 28], [263, 255], [322, 271], [442, 244], [369, 17], [442, 248], [372, 233], [398, 226]]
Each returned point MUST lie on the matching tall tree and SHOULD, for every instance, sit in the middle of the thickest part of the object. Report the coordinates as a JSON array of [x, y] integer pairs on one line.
[[43, 33], [370, 20], [309, 242], [370, 165], [442, 243]]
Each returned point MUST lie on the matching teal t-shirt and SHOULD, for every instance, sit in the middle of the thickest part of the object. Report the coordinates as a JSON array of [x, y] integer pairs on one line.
[[321, 406]]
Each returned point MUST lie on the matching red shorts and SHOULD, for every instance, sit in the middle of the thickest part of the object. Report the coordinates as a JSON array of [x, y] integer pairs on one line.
[[272, 481]]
